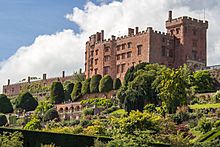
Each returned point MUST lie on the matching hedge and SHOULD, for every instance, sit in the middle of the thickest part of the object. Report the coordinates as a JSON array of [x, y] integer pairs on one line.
[[86, 86], [5, 104], [94, 83], [57, 93], [106, 84], [76, 93], [51, 114], [3, 120], [68, 91], [116, 84], [26, 102]]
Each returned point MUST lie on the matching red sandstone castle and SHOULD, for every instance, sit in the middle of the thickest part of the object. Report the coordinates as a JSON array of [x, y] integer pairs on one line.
[[184, 42]]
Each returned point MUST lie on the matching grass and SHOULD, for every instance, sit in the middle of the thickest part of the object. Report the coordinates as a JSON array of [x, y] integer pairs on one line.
[[204, 106]]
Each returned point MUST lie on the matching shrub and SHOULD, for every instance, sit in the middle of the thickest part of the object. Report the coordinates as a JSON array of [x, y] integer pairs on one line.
[[150, 108], [94, 83], [216, 97], [178, 118], [85, 122], [5, 104], [85, 87], [204, 125], [3, 120], [106, 84], [76, 93], [97, 102], [14, 139], [68, 91], [88, 111], [33, 124], [51, 114], [110, 110], [26, 101], [116, 84], [57, 93]]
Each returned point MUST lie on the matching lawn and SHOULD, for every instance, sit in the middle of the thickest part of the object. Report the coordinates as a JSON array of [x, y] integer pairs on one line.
[[205, 106]]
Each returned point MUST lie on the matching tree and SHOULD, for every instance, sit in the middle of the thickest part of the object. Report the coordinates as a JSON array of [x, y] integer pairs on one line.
[[94, 83], [42, 108], [116, 84], [76, 93], [85, 86], [51, 114], [106, 84], [26, 102], [3, 120], [33, 124], [68, 91], [5, 104], [57, 93]]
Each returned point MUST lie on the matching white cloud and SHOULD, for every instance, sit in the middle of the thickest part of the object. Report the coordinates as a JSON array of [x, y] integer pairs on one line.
[[65, 50]]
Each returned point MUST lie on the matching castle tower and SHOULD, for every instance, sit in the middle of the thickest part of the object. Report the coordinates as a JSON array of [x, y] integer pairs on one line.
[[190, 40]]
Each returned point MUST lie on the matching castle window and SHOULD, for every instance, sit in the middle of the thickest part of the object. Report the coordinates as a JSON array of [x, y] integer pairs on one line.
[[5, 90], [107, 49], [163, 39], [194, 43], [171, 32], [92, 52], [123, 46], [106, 58], [118, 57], [96, 61], [128, 54], [123, 68], [129, 44], [118, 47], [194, 55], [123, 56], [139, 47], [163, 51], [177, 30], [85, 54], [96, 71], [96, 52], [91, 63], [118, 68], [106, 70]]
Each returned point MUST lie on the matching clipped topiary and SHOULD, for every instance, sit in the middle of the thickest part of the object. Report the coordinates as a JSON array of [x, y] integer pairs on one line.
[[116, 84], [3, 120], [106, 84], [76, 93], [5, 104], [86, 86], [51, 114], [26, 102], [68, 91], [57, 93], [94, 83]]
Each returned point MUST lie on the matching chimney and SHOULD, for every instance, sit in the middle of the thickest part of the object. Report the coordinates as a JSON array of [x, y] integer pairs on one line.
[[29, 79], [8, 81], [130, 31], [44, 76], [63, 74], [102, 32], [170, 16], [113, 37], [136, 30]]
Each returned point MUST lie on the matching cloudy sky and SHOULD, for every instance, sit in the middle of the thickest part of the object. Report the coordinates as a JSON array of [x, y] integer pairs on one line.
[[48, 36]]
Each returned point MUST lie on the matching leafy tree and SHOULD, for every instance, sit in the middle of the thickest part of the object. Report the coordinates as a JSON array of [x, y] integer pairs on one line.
[[33, 124], [86, 86], [116, 84], [14, 139], [76, 93], [202, 81], [51, 114], [5, 104], [68, 91], [57, 93], [26, 102], [106, 84], [3, 120], [94, 83], [42, 108]]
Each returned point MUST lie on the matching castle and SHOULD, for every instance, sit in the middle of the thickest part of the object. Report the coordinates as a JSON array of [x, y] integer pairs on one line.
[[184, 42]]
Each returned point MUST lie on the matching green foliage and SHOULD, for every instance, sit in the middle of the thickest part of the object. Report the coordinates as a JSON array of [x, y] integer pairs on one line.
[[26, 102], [3, 120], [76, 93], [178, 118], [51, 114], [150, 108], [88, 111], [33, 124], [202, 81], [97, 102], [216, 97], [11, 139], [86, 86], [204, 125], [94, 83], [68, 91], [5, 104], [85, 122], [110, 110], [106, 84], [116, 84], [57, 93], [42, 108]]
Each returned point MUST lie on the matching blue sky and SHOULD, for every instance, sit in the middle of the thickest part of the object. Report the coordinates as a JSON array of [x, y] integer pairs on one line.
[[21, 21]]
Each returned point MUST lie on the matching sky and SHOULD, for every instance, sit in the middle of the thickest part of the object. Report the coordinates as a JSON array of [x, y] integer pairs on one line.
[[48, 36]]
